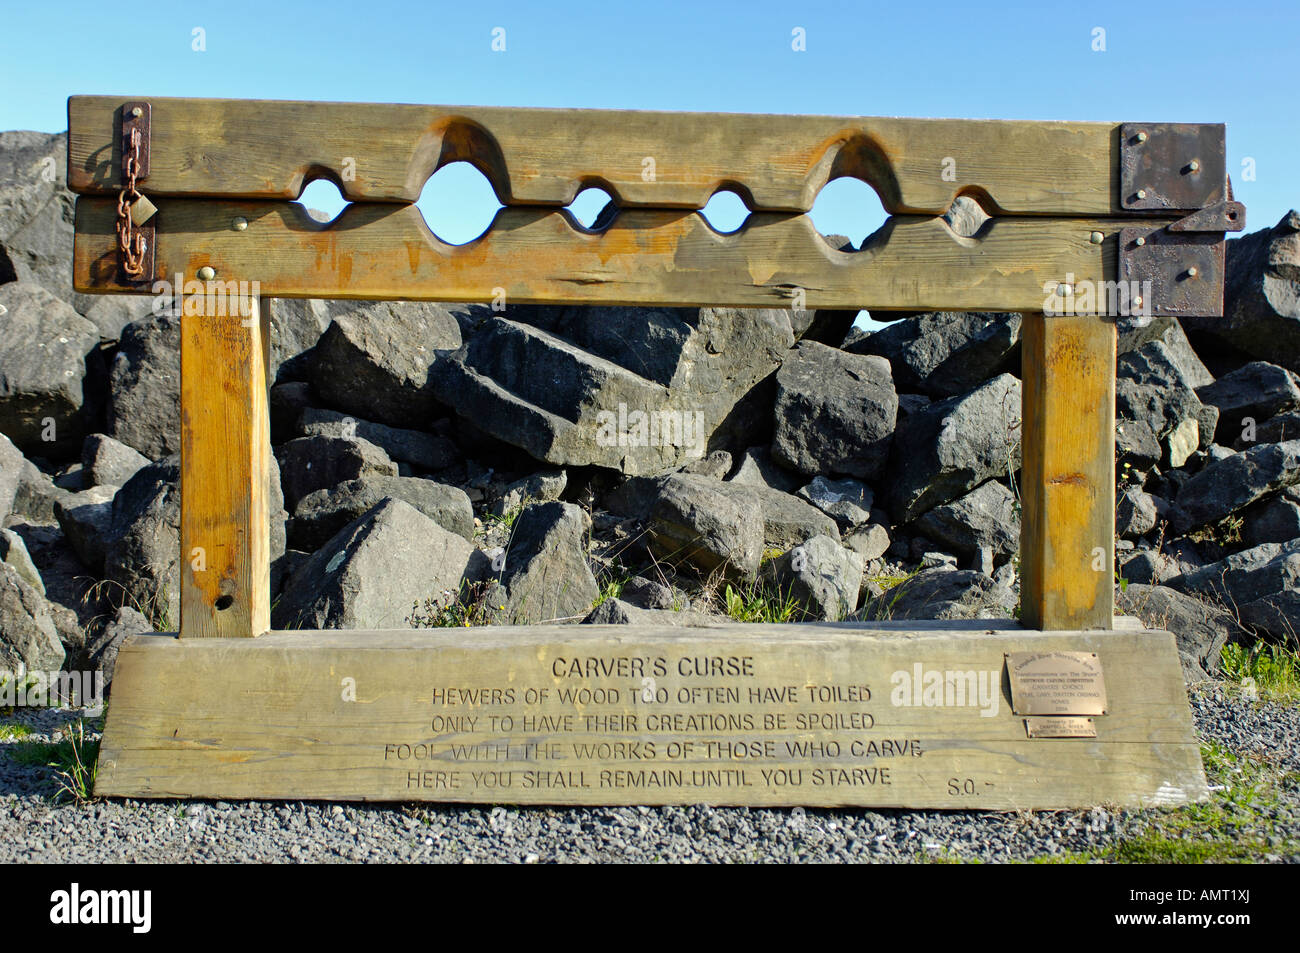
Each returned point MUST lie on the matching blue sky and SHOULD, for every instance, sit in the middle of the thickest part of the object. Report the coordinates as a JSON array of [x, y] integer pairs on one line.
[[1190, 61]]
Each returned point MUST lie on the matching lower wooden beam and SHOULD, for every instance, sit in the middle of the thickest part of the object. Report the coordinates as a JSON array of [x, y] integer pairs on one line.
[[225, 466], [1067, 536], [882, 715]]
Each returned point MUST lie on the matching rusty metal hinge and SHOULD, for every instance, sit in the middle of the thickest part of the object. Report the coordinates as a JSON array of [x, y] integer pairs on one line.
[[1171, 166], [135, 232], [1180, 267]]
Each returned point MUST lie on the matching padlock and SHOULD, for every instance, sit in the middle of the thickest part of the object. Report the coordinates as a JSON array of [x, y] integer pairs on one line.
[[142, 210]]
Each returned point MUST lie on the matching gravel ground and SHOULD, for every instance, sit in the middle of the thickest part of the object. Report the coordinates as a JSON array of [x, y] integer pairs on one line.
[[35, 829]]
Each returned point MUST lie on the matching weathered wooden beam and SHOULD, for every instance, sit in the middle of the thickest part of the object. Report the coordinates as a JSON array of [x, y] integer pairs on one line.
[[225, 467], [790, 714], [385, 153], [1067, 536], [645, 257]]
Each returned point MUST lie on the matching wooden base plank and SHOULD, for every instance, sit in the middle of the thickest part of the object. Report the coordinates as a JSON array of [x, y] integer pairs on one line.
[[818, 715]]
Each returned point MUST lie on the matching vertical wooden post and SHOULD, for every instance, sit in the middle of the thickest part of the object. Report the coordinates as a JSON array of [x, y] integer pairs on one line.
[[225, 448], [1067, 536]]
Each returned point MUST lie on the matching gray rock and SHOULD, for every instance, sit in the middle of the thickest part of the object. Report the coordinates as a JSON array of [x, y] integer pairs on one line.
[[287, 402], [1148, 567], [1254, 392], [535, 488], [787, 520], [296, 325], [986, 517], [1138, 330], [112, 313], [648, 594], [36, 495], [619, 612], [1261, 297], [1283, 427], [28, 637], [1157, 412], [938, 560], [870, 542], [546, 576], [942, 594], [376, 356], [704, 522], [1222, 488], [821, 576], [427, 450], [44, 349], [1271, 521], [145, 387], [946, 353], [757, 468], [715, 464], [1277, 615], [11, 474], [1200, 629], [318, 463], [847, 501], [36, 213], [13, 553], [374, 572], [1136, 513], [639, 390], [87, 520], [323, 513], [953, 446], [834, 412], [1245, 577], [102, 652], [108, 462]]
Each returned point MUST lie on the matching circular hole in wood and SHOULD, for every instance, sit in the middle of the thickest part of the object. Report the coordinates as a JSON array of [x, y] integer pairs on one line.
[[224, 602], [593, 208], [726, 212], [458, 203]]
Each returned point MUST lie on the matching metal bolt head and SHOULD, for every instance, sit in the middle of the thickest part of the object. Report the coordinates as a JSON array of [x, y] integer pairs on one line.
[[207, 273], [1096, 238], [137, 112], [1141, 193], [1137, 301], [1192, 272], [1063, 290], [1139, 241], [1194, 166], [240, 223], [1141, 137]]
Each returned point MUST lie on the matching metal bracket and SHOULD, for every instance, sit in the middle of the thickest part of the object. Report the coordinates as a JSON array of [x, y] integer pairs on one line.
[[1171, 166], [137, 117], [1179, 269]]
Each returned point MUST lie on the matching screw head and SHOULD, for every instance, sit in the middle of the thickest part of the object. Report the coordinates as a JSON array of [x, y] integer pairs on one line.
[[1063, 290], [1137, 301], [240, 223], [137, 112], [1194, 166], [1096, 238], [207, 273], [1141, 137], [1192, 272], [1141, 193], [1139, 241]]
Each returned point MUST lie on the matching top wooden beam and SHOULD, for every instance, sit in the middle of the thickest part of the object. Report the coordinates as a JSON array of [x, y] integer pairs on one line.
[[385, 153]]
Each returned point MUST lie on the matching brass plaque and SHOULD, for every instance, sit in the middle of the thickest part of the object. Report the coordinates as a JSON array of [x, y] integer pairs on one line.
[[1060, 726], [1056, 683]]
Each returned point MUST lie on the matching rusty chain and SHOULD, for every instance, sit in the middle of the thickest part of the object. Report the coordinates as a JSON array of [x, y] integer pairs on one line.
[[130, 239]]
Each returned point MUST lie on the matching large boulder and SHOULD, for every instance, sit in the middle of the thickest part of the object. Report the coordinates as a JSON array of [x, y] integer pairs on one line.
[[757, 468], [639, 390], [1240, 579], [1200, 629], [1261, 298], [109, 462], [821, 576], [374, 572], [1249, 396], [426, 450], [1225, 486], [618, 612], [707, 523], [86, 518], [835, 412], [11, 474], [946, 353], [322, 513], [988, 517], [28, 637], [296, 325], [36, 213], [1137, 330], [145, 387], [942, 594], [545, 576], [1158, 415], [846, 501], [14, 554], [375, 358], [318, 463], [44, 349], [953, 446]]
